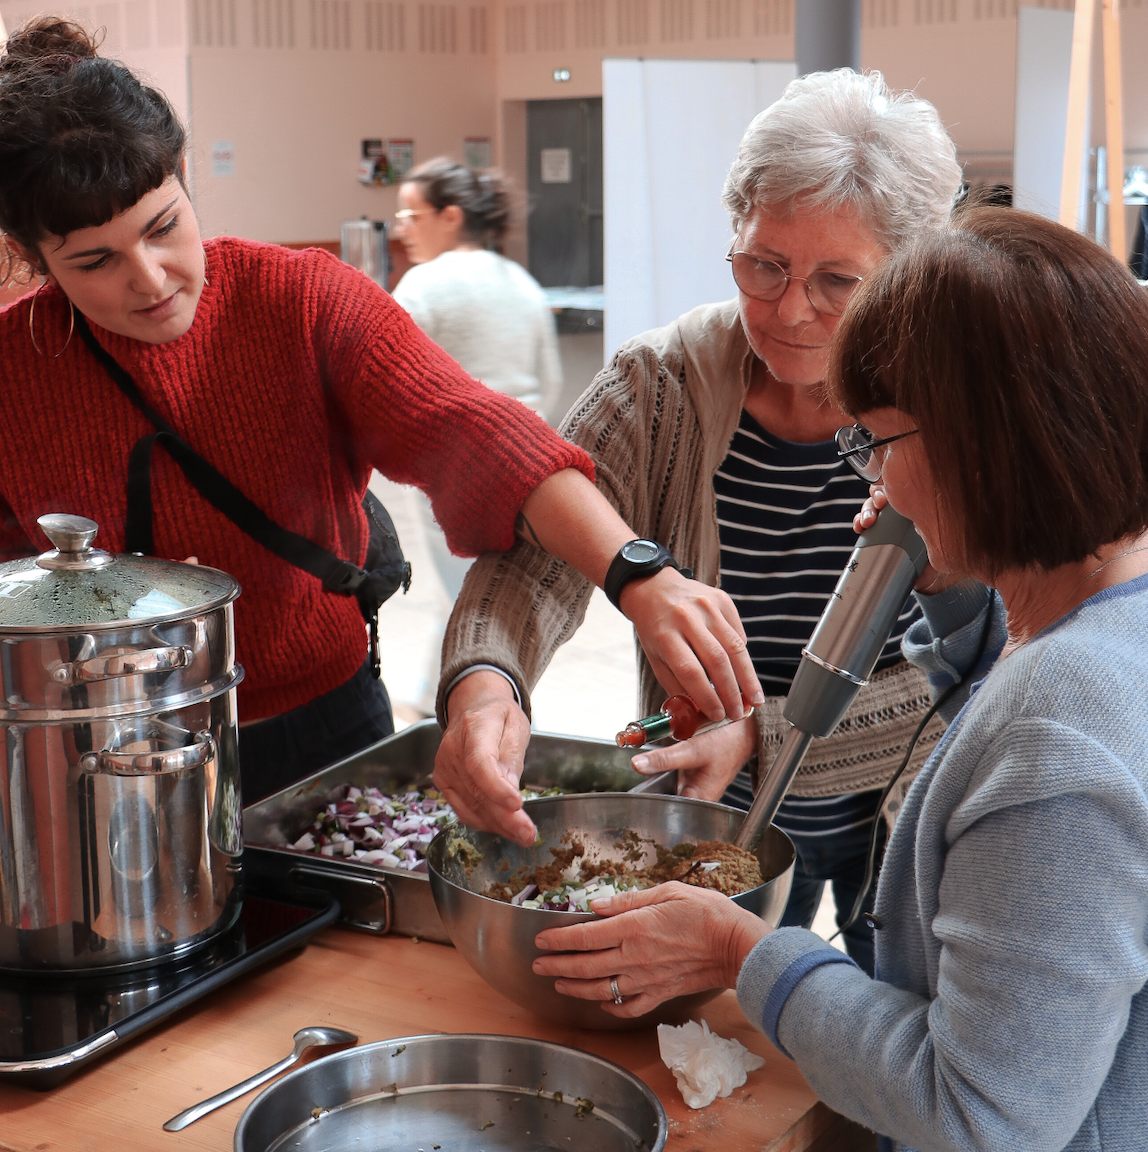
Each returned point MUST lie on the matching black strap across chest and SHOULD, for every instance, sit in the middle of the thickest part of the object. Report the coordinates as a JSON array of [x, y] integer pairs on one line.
[[337, 575]]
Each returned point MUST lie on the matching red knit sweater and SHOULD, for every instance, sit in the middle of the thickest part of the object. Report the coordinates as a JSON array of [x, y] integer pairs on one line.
[[297, 376]]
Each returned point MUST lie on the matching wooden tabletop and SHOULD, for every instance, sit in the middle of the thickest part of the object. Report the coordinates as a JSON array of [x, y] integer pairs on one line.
[[379, 988]]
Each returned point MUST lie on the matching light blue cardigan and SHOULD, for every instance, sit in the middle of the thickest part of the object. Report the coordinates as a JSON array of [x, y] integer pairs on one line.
[[1009, 1010]]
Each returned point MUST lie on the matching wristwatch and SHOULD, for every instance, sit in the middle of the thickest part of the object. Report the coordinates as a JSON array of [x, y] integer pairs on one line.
[[636, 559]]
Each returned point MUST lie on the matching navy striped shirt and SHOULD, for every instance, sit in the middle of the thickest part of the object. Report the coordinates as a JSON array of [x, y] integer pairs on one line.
[[785, 526]]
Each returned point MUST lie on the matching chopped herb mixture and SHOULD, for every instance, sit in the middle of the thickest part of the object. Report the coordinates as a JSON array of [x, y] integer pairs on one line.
[[571, 880]]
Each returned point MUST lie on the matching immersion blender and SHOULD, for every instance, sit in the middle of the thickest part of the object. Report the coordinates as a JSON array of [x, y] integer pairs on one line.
[[842, 652]]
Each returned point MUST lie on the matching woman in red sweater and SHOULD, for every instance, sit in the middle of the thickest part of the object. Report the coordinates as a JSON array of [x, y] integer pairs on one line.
[[290, 373]]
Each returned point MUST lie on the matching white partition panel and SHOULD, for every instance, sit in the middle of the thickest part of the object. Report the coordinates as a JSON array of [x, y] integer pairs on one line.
[[1043, 59], [670, 132]]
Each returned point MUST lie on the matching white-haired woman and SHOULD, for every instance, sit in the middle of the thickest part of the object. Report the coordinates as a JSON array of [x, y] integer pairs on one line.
[[713, 437]]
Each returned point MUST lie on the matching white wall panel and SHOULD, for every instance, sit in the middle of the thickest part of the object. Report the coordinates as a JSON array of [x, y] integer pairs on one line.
[[1043, 57], [670, 132]]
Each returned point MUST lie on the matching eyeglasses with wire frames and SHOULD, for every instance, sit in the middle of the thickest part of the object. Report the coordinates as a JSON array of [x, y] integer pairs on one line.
[[767, 280], [405, 216], [856, 444]]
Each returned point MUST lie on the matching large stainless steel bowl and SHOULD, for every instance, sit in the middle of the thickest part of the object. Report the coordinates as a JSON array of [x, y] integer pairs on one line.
[[468, 1093], [497, 939]]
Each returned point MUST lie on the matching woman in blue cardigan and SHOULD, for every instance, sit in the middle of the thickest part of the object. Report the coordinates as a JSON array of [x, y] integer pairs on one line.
[[1000, 369]]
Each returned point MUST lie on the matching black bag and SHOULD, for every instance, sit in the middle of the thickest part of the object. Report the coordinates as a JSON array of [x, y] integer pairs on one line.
[[386, 569]]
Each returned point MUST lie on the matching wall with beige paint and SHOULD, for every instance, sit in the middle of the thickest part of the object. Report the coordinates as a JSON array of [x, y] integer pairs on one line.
[[535, 39], [297, 116], [295, 85]]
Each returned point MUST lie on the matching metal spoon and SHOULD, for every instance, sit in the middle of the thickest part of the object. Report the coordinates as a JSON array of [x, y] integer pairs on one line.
[[305, 1038]]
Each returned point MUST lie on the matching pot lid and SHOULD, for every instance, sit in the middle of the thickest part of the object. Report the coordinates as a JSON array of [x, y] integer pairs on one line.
[[76, 585]]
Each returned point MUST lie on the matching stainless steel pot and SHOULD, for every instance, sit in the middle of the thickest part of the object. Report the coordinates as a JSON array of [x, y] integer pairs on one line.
[[120, 811]]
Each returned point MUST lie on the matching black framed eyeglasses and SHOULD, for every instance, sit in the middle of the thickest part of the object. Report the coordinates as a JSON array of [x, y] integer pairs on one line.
[[856, 444], [767, 280]]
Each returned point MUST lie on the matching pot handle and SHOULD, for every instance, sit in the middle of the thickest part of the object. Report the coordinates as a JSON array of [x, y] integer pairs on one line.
[[112, 763], [123, 664]]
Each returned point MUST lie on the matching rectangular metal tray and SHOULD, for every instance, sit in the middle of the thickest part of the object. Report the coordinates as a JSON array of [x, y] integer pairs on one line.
[[382, 900]]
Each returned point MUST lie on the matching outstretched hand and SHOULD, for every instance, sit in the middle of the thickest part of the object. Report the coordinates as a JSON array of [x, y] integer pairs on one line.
[[479, 762], [706, 763], [659, 943], [695, 642]]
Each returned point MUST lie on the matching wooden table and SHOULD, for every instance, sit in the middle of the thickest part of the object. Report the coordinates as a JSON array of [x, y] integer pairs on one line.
[[379, 988]]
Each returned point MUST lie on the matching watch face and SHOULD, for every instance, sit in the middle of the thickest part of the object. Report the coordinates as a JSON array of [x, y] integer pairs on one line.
[[640, 551]]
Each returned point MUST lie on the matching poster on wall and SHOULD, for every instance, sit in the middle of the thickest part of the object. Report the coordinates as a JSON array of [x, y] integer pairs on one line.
[[556, 165], [400, 159], [477, 152], [222, 158]]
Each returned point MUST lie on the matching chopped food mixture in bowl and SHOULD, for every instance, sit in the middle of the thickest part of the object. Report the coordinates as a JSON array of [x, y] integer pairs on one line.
[[571, 880], [618, 839]]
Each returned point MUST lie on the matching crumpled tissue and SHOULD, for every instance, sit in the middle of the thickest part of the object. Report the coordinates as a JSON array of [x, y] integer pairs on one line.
[[704, 1064]]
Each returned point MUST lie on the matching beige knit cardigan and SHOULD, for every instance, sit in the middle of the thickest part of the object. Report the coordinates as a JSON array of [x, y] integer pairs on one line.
[[658, 423]]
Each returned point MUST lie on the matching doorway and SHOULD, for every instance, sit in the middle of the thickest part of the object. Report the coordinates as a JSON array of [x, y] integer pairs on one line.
[[564, 184]]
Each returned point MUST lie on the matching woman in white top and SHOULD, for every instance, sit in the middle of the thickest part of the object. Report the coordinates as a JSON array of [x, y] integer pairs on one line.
[[487, 311]]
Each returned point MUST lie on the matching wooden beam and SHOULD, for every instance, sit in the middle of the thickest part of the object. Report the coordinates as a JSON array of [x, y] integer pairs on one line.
[[1114, 126], [1078, 82]]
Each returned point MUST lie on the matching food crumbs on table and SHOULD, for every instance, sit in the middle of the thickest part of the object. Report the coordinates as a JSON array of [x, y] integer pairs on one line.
[[488, 1124], [400, 1048]]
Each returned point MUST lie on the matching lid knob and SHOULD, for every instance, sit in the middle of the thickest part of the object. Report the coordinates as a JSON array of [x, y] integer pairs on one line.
[[72, 536], [69, 533]]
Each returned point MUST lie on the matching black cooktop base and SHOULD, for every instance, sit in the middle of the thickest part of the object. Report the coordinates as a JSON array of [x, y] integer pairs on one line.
[[51, 1026]]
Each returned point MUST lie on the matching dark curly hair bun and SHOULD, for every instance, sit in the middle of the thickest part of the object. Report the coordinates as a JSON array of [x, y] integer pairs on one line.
[[46, 41], [81, 139]]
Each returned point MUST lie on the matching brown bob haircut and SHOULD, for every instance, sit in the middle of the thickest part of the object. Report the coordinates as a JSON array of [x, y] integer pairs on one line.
[[1020, 351]]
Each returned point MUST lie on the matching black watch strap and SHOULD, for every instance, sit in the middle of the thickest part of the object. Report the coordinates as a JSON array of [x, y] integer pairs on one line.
[[635, 559]]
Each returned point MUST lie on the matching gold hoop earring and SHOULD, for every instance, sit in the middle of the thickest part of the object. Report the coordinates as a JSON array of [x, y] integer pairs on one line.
[[205, 279], [32, 325]]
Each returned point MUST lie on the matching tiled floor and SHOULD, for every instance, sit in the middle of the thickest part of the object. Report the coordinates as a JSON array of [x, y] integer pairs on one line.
[[590, 688]]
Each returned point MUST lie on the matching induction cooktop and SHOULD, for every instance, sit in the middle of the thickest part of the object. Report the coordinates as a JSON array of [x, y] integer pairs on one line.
[[50, 1026]]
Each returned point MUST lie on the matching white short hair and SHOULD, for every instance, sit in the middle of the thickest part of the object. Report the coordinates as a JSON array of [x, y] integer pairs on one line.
[[843, 140]]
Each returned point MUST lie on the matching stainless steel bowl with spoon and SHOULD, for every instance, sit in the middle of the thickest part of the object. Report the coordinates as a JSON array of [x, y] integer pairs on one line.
[[497, 939]]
